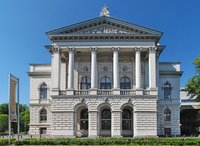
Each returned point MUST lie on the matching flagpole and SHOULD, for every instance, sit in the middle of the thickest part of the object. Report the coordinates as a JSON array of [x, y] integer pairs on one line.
[[18, 117], [9, 112]]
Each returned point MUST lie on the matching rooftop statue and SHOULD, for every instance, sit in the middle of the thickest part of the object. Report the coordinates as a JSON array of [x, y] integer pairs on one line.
[[104, 11]]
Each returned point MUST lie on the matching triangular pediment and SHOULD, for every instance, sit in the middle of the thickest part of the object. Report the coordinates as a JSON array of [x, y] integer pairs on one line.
[[104, 25], [107, 29]]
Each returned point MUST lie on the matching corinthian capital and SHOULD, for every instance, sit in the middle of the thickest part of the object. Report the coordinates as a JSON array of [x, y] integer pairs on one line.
[[115, 49], [152, 50], [71, 49], [93, 49], [138, 49], [55, 50]]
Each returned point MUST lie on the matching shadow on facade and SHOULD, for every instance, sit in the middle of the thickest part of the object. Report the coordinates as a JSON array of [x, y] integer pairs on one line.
[[190, 122]]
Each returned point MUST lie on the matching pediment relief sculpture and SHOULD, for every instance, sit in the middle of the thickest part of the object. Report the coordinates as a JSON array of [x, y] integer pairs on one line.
[[108, 29]]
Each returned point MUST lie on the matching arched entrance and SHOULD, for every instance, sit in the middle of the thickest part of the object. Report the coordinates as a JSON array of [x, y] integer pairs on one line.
[[127, 121], [82, 122]]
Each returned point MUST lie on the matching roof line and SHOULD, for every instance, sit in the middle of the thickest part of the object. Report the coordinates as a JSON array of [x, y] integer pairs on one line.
[[105, 18]]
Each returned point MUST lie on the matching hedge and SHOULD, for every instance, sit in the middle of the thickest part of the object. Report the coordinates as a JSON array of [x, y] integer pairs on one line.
[[5, 141], [105, 141]]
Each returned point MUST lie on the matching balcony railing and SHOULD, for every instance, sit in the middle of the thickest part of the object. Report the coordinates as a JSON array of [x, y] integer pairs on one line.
[[127, 92], [105, 92], [81, 92]]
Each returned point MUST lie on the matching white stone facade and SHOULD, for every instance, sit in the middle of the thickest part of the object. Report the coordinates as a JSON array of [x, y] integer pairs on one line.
[[105, 79]]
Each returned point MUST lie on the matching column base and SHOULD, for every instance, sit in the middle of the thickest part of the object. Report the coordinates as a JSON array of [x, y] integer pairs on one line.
[[116, 91], [93, 91], [139, 91], [70, 92], [154, 91], [55, 91]]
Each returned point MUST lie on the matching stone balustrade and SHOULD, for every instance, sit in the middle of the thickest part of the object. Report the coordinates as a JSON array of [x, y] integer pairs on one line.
[[105, 92]]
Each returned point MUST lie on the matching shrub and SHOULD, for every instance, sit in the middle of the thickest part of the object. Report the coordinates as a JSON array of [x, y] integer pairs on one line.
[[107, 141], [5, 141]]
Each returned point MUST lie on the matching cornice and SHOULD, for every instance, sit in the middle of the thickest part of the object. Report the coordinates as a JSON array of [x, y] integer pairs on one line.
[[103, 37], [43, 74], [171, 73]]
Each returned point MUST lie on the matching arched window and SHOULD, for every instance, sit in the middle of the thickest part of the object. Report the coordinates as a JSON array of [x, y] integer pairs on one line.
[[105, 119], [167, 114], [85, 82], [105, 83], [43, 91], [167, 90], [127, 119], [125, 83], [84, 119], [43, 115]]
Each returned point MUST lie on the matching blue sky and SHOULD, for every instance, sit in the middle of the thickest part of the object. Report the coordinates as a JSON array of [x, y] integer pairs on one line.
[[23, 24]]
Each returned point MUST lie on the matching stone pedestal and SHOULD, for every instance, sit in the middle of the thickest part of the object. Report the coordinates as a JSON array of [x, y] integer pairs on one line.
[[55, 91], [93, 91], [116, 91], [139, 91], [154, 91], [69, 92]]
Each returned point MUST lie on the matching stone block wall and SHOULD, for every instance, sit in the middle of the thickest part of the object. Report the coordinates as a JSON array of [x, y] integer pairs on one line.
[[64, 114], [35, 124]]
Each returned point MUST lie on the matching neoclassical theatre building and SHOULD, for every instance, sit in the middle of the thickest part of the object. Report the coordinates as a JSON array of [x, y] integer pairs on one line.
[[105, 79]]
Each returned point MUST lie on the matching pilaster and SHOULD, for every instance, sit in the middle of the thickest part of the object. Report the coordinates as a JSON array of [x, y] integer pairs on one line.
[[93, 124], [116, 124]]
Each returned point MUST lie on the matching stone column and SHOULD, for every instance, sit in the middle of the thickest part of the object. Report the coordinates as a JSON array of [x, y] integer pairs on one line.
[[152, 71], [116, 124], [93, 124], [138, 71], [116, 88], [63, 74], [93, 90], [70, 84], [55, 71]]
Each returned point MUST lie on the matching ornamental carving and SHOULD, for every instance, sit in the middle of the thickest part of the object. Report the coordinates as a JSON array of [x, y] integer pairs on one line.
[[85, 68], [152, 49], [125, 68], [138, 49], [105, 30], [55, 50]]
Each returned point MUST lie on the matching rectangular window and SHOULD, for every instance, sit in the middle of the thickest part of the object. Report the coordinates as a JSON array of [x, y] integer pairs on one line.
[[167, 131], [43, 130]]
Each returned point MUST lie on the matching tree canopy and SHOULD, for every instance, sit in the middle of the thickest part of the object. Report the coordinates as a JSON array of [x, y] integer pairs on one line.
[[24, 118], [193, 85]]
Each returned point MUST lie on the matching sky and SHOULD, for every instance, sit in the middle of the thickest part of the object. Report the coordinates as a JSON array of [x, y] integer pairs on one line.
[[23, 24]]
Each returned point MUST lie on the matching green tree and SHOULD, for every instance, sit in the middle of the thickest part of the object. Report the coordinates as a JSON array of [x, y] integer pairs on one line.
[[4, 108], [193, 85], [24, 120], [3, 122]]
